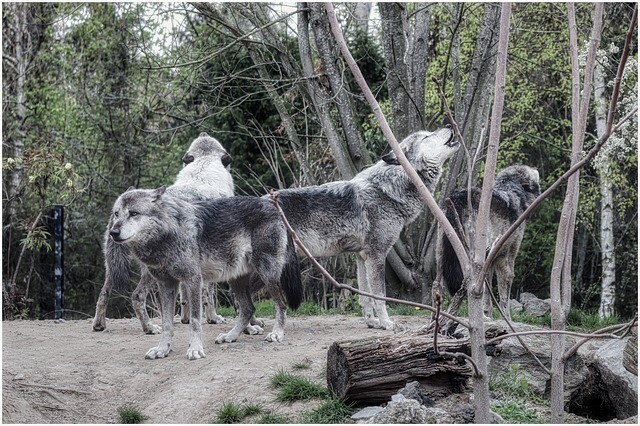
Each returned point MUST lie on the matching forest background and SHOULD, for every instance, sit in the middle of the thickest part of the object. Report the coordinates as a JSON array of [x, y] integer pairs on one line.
[[101, 96]]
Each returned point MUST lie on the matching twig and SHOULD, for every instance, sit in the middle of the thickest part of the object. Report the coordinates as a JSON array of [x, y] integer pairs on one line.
[[613, 328], [274, 200]]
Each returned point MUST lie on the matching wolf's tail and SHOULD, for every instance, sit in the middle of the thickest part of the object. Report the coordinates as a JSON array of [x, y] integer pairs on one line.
[[451, 270], [291, 278], [117, 262]]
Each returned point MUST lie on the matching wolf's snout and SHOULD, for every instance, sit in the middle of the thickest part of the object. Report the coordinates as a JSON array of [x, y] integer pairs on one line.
[[115, 234], [448, 126], [187, 159]]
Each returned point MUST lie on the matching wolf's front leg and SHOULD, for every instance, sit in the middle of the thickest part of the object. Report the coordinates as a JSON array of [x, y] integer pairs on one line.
[[168, 293], [375, 277], [366, 303], [139, 299], [192, 287]]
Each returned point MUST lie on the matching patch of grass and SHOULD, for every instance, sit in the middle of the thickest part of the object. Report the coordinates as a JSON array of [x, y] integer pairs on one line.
[[295, 388], [229, 413], [130, 415], [305, 364], [516, 411], [333, 410], [543, 321], [233, 413], [307, 309], [515, 384], [270, 418], [587, 321]]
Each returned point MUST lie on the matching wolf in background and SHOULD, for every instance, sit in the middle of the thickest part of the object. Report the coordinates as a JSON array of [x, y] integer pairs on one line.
[[205, 175], [366, 214], [212, 240], [514, 189]]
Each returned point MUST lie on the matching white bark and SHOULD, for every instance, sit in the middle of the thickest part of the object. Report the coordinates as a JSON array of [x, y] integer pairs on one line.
[[607, 297]]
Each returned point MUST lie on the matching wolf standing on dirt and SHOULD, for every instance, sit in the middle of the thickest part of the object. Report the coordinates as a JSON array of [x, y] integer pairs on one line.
[[514, 189], [212, 240], [205, 175], [366, 214]]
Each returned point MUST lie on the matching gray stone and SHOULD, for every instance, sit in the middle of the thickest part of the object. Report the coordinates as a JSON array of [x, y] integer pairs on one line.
[[515, 306], [366, 413], [534, 306], [621, 385], [408, 411]]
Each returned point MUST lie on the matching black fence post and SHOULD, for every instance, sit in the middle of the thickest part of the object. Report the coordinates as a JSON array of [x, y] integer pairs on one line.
[[58, 253]]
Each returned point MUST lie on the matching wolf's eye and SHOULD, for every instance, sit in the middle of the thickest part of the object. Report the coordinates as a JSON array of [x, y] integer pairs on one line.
[[115, 214], [132, 214]]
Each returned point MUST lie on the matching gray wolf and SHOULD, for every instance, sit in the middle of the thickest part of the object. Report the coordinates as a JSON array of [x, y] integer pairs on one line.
[[366, 214], [514, 189], [205, 175], [210, 240]]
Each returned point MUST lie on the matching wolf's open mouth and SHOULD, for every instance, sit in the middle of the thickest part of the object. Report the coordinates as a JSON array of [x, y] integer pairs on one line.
[[452, 140]]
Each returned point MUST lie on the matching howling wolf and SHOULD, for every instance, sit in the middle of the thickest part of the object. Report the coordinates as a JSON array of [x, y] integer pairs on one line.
[[212, 240], [514, 189], [205, 175], [366, 214]]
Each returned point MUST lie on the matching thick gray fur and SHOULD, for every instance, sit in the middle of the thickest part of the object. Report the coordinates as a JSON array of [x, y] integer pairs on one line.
[[514, 189], [205, 175], [366, 214], [212, 240]]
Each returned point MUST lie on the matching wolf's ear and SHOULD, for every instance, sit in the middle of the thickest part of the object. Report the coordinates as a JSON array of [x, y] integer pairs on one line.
[[226, 159], [131, 188], [157, 193], [390, 158]]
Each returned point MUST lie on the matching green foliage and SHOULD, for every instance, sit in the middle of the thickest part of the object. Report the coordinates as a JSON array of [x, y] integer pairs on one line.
[[305, 364], [130, 415], [295, 388], [233, 413], [589, 321], [515, 411], [333, 410]]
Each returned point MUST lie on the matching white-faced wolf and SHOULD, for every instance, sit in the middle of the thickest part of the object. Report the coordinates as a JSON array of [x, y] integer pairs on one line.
[[205, 175], [212, 240], [514, 189], [366, 214]]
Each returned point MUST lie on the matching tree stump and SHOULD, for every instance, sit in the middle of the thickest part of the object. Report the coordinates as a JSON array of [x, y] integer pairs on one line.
[[370, 371]]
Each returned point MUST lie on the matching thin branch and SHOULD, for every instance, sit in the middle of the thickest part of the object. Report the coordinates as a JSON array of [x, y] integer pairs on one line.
[[612, 328]]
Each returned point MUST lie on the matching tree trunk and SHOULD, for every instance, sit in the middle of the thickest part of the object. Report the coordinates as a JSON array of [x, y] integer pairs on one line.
[[560, 280], [370, 371], [608, 293], [339, 87]]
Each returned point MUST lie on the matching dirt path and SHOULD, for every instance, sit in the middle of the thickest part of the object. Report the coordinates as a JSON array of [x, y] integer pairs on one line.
[[66, 373]]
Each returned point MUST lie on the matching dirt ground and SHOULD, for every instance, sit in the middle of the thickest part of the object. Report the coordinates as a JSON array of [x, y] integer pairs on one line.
[[63, 372]]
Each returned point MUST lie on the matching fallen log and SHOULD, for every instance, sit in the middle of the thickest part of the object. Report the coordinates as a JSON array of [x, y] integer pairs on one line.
[[370, 371]]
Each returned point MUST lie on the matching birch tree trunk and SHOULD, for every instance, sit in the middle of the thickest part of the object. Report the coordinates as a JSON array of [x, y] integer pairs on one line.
[[607, 296], [560, 280]]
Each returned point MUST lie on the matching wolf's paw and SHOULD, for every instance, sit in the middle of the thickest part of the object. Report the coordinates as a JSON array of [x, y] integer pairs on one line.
[[225, 338], [253, 330], [152, 329], [258, 322], [195, 353], [274, 337], [157, 352], [216, 319], [98, 325]]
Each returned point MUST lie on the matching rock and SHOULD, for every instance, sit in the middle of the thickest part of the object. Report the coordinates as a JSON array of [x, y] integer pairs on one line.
[[514, 356], [413, 390], [515, 306], [621, 385], [534, 306], [630, 359], [366, 413], [408, 411]]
